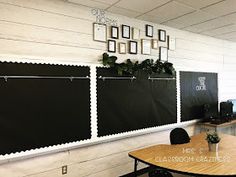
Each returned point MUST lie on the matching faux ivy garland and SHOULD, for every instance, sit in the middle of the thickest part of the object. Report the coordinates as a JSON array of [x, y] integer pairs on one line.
[[130, 67]]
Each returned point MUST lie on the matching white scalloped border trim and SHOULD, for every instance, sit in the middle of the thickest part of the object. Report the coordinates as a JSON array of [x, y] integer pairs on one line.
[[93, 112]]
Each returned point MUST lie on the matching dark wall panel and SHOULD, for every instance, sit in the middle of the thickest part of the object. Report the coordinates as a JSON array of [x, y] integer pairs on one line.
[[125, 105], [43, 112], [197, 89]]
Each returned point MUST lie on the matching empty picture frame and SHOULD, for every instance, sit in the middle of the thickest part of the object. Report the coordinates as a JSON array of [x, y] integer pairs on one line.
[[146, 46], [114, 32], [154, 43], [136, 33], [125, 29], [149, 31], [99, 32], [133, 47], [111, 46], [122, 48], [171, 43], [162, 35], [163, 54]]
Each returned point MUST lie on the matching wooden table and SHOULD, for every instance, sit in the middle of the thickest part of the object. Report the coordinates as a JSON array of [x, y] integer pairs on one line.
[[192, 158]]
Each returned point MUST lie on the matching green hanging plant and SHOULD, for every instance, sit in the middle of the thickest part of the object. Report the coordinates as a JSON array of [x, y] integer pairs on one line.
[[130, 67]]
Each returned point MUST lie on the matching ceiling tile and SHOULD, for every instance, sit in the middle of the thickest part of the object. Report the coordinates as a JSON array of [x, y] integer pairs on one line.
[[141, 5], [208, 25], [222, 8], [228, 35], [91, 3], [107, 1], [219, 31], [197, 4], [189, 19], [147, 18], [169, 11], [121, 11]]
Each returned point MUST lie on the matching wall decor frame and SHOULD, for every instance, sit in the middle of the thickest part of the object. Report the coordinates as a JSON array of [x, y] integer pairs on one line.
[[125, 29], [111, 46], [99, 32], [163, 53], [162, 35], [171, 43], [146, 46], [154, 43], [149, 30], [136, 33], [122, 48], [133, 47], [114, 32]]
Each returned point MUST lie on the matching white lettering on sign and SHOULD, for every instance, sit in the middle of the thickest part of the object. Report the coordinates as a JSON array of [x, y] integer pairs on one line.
[[202, 84], [101, 17]]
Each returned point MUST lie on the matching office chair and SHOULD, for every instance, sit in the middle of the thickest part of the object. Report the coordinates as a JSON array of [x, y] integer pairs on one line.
[[179, 136], [159, 173]]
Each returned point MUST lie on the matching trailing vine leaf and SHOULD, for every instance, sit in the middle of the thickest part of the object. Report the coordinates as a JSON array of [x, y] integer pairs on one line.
[[169, 69], [130, 67]]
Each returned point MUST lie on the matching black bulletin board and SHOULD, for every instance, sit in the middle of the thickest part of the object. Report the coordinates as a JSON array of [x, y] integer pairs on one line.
[[43, 112], [125, 105], [197, 89]]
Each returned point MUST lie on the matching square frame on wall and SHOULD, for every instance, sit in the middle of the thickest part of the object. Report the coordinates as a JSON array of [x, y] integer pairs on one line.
[[146, 46], [99, 32], [136, 33], [149, 30], [163, 54], [114, 32], [122, 48], [133, 47], [111, 46], [162, 35], [125, 31]]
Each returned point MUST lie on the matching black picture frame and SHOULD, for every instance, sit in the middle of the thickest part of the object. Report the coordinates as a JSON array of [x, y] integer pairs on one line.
[[149, 30], [125, 29], [133, 47], [111, 46], [114, 32], [162, 35]]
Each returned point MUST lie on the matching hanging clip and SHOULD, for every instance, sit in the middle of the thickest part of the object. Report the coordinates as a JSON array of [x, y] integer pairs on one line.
[[5, 78]]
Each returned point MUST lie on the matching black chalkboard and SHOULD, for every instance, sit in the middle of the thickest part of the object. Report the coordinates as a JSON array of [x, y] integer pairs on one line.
[[197, 89], [125, 105], [43, 112]]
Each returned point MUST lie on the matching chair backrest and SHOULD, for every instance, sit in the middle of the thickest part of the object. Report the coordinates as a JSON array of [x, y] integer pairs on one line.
[[159, 173], [179, 136]]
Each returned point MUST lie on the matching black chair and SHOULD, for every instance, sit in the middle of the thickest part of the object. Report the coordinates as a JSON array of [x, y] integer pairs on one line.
[[159, 173], [179, 136]]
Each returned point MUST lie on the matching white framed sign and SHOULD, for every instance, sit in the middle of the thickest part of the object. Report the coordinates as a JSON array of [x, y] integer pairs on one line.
[[99, 32], [122, 48], [136, 33], [146, 46], [111, 45], [163, 53]]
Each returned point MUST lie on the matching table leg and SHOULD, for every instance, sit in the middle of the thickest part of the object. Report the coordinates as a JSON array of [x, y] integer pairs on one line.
[[135, 167]]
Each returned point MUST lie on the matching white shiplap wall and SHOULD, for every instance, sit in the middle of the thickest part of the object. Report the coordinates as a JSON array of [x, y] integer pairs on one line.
[[55, 31]]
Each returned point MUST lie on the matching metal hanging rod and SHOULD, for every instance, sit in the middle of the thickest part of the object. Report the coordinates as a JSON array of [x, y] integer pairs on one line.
[[161, 78], [42, 77], [117, 78]]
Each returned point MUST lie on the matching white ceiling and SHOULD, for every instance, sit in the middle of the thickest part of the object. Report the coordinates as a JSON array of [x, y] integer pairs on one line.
[[216, 18]]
